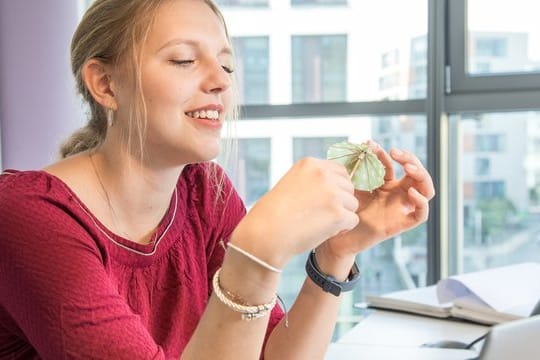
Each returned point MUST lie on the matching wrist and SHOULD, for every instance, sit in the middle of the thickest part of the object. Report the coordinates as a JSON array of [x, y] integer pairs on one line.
[[329, 283], [338, 266], [253, 241], [247, 279]]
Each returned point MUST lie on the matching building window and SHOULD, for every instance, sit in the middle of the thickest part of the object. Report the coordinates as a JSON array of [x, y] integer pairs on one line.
[[246, 3], [491, 47], [318, 2], [314, 147], [251, 69], [489, 189], [390, 58], [490, 142], [482, 167], [319, 68]]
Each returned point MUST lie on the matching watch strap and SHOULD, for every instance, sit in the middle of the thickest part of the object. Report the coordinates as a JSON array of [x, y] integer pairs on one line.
[[327, 282]]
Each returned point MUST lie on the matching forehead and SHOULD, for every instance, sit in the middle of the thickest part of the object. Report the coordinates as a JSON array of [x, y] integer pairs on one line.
[[188, 20]]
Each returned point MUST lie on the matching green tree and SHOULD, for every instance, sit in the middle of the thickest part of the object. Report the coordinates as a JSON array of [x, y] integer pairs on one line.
[[496, 213]]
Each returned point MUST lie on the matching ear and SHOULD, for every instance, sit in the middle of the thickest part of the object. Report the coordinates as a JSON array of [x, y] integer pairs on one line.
[[97, 77]]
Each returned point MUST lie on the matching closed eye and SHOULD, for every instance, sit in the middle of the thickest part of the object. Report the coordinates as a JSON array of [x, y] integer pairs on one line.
[[227, 69], [182, 62]]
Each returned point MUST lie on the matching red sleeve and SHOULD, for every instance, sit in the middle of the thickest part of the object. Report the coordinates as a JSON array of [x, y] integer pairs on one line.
[[54, 285]]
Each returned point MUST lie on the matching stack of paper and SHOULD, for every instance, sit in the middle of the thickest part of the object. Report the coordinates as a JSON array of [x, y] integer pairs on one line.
[[489, 297]]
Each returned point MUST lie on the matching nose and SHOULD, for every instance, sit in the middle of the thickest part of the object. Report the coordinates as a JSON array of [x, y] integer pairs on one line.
[[217, 80]]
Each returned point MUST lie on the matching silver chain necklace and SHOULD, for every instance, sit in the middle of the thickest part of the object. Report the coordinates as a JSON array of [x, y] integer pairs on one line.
[[114, 218]]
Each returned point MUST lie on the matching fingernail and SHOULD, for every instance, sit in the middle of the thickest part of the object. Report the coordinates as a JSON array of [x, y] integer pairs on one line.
[[397, 151]]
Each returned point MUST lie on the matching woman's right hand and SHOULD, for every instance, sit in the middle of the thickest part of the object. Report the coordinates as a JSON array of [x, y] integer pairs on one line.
[[312, 202]]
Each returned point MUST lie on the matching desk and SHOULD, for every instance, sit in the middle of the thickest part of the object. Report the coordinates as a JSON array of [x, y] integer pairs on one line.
[[393, 335]]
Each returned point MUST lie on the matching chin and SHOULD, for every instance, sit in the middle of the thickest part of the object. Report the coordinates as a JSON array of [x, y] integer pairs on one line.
[[209, 154]]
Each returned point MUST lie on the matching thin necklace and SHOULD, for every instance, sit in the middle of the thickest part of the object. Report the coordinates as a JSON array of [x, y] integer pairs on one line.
[[109, 204]]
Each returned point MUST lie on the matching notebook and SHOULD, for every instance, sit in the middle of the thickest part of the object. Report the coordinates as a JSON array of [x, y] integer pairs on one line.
[[489, 297]]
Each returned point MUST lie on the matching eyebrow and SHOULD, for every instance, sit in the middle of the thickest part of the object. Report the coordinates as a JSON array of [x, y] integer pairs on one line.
[[225, 50]]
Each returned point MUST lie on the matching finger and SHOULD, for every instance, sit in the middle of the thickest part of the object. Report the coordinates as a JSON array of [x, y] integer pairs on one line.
[[385, 159], [403, 157], [422, 180], [350, 202], [349, 220], [340, 185], [414, 168], [421, 205], [344, 183], [343, 191], [335, 167]]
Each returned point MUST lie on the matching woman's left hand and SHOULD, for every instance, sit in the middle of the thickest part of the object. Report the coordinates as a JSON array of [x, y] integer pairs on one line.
[[398, 205]]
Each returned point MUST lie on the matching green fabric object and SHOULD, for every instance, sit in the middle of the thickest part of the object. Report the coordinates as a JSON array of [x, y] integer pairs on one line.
[[365, 169]]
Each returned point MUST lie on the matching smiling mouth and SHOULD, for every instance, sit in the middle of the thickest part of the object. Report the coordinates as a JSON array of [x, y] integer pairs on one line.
[[204, 114]]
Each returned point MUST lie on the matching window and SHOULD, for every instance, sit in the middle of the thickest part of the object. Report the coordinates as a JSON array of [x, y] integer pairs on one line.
[[240, 3], [482, 166], [319, 73], [511, 47], [487, 53], [319, 65], [318, 2], [489, 190], [490, 142], [251, 69], [313, 147], [250, 169], [390, 58], [500, 188], [490, 47]]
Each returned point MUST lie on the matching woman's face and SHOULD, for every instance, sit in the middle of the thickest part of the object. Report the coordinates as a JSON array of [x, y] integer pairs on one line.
[[186, 65]]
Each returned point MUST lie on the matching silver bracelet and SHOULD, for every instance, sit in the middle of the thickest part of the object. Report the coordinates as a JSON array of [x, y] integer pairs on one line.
[[249, 312], [255, 259]]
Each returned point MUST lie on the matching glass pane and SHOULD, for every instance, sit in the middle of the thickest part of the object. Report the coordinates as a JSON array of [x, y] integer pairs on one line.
[[269, 147], [499, 176], [503, 37], [319, 68], [344, 53], [251, 69], [313, 146], [250, 171]]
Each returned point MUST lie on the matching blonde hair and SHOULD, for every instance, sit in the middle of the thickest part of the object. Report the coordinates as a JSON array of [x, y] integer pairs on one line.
[[114, 32]]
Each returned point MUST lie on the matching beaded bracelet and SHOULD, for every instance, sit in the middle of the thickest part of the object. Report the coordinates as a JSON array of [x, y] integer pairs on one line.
[[249, 312]]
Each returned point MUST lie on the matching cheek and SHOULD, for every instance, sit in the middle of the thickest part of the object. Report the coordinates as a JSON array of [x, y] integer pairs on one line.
[[160, 85], [164, 98]]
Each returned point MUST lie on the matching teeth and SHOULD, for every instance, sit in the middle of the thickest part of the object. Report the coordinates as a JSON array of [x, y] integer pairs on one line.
[[204, 114]]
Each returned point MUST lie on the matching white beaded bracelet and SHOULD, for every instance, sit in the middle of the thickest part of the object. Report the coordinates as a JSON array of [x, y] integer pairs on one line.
[[249, 312], [255, 259]]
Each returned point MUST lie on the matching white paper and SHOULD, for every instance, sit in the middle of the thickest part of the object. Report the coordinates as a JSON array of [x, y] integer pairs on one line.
[[503, 289]]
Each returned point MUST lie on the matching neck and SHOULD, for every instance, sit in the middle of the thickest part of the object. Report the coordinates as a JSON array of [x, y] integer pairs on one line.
[[136, 197]]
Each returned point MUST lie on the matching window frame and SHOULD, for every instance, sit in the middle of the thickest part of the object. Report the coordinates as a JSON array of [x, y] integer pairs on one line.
[[460, 81], [449, 90]]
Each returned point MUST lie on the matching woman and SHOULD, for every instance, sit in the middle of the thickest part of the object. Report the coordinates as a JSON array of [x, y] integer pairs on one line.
[[118, 250]]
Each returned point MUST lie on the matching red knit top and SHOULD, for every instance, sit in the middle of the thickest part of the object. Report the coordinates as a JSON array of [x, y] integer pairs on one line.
[[70, 288]]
